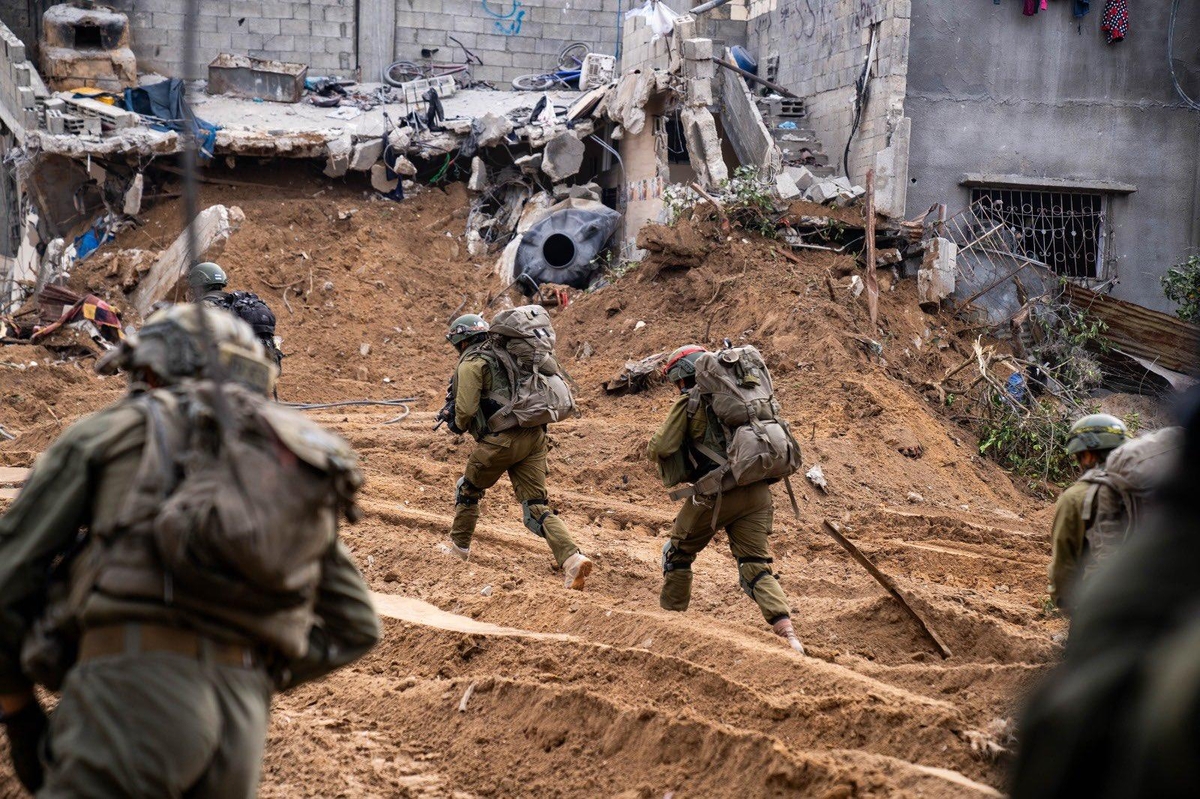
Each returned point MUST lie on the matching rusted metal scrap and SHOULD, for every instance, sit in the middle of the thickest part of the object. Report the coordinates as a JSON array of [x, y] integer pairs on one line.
[[887, 583]]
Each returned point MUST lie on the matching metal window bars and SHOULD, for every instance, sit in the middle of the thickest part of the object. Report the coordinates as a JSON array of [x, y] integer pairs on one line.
[[1062, 229]]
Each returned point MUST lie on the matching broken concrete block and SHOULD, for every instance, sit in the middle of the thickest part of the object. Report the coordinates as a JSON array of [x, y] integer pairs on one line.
[[213, 226], [703, 145], [699, 69], [529, 164], [133, 197], [479, 175], [403, 167], [399, 138], [338, 156], [588, 191], [935, 278], [380, 181], [365, 154], [699, 92], [491, 129], [785, 187], [698, 49], [823, 192], [801, 176], [563, 157]]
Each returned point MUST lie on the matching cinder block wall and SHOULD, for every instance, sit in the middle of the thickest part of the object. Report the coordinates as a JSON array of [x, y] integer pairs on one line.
[[320, 33], [822, 46], [513, 37]]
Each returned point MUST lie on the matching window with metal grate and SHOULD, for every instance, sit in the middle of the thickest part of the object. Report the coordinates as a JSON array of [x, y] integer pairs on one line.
[[1062, 229]]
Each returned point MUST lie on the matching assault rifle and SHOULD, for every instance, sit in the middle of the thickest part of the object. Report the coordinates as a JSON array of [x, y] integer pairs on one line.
[[446, 414]]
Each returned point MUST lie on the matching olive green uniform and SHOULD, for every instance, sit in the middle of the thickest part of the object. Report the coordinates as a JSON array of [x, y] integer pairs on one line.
[[521, 452], [1067, 544], [139, 722], [745, 513]]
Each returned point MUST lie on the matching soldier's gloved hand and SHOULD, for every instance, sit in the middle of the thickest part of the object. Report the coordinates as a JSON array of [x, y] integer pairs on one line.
[[455, 429], [26, 728]]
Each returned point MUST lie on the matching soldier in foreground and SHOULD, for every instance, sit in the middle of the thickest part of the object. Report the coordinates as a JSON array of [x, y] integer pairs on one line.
[[702, 443], [208, 575], [504, 392], [1120, 717]]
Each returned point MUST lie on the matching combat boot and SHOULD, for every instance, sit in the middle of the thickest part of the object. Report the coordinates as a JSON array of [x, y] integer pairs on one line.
[[783, 628], [451, 548], [576, 570]]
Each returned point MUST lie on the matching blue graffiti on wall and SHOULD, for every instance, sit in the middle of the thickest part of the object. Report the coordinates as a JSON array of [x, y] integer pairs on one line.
[[507, 24]]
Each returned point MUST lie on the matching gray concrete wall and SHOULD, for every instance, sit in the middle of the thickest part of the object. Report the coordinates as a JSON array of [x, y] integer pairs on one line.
[[513, 37], [992, 91], [822, 45]]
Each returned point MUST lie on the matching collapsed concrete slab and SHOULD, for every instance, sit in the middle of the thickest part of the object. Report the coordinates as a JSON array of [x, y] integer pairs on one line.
[[213, 227], [365, 154], [563, 157], [338, 156]]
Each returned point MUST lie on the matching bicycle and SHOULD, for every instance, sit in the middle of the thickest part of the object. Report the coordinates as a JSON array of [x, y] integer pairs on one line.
[[400, 72], [570, 64]]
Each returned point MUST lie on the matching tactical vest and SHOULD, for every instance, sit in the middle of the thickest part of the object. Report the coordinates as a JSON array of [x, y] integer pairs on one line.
[[124, 560], [487, 418]]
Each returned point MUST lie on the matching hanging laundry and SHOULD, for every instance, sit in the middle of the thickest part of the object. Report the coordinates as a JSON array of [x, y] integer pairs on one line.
[[1082, 7], [1031, 8], [1115, 21]]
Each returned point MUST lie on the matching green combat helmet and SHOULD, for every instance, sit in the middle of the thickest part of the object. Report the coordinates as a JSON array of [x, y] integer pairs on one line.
[[207, 276], [1097, 432], [466, 327], [170, 345], [681, 364]]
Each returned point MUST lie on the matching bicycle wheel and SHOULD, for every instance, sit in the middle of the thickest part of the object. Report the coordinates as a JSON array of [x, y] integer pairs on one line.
[[400, 72], [534, 83], [571, 56]]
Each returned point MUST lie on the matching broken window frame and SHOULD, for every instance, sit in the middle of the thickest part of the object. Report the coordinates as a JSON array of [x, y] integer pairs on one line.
[[1046, 210]]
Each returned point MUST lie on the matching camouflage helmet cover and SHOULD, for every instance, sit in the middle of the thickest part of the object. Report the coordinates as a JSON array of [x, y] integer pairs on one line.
[[1097, 432], [465, 327]]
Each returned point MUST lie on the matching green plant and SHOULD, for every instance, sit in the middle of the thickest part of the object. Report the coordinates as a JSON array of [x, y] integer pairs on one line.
[[1181, 285], [746, 199], [1032, 445], [612, 265]]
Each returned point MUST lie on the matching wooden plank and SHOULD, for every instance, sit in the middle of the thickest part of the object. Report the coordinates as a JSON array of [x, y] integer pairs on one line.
[[887, 583], [872, 281], [376, 39]]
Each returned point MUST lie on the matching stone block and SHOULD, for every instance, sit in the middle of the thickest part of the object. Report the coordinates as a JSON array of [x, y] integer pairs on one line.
[[562, 157], [338, 156], [264, 26], [823, 192], [699, 92], [785, 187], [365, 154], [697, 49], [705, 70], [935, 278], [801, 176], [479, 175], [403, 167], [380, 181]]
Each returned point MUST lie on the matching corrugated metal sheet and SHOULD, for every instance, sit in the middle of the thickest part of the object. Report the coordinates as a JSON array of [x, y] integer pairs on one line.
[[1165, 340]]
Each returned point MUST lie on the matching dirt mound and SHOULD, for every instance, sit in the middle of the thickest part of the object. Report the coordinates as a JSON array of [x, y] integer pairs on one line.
[[639, 702]]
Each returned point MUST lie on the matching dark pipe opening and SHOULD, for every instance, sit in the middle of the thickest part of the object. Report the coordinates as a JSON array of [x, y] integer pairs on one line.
[[558, 250]]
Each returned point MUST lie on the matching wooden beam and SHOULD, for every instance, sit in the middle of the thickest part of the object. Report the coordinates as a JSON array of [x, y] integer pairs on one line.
[[887, 583]]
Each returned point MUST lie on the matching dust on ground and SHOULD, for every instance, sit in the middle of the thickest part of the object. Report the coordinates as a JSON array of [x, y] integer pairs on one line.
[[637, 702]]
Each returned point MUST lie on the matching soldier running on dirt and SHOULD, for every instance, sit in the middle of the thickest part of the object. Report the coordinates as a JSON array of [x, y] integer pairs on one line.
[[690, 445], [482, 393], [209, 574]]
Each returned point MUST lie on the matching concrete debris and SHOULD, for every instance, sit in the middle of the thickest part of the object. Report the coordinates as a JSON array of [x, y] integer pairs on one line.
[[404, 167], [338, 156], [935, 278], [479, 175], [529, 164], [703, 145], [801, 176], [380, 180], [133, 197], [627, 105], [213, 227], [817, 477], [563, 157], [365, 154], [785, 187], [491, 129]]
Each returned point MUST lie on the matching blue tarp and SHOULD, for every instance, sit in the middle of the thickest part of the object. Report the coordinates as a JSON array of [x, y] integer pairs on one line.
[[165, 101], [91, 241]]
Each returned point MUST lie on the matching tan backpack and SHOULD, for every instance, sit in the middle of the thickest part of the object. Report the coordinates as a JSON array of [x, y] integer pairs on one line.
[[759, 447], [522, 342]]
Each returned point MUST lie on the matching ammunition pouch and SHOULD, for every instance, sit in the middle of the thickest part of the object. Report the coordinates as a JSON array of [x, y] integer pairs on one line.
[[466, 493], [536, 512]]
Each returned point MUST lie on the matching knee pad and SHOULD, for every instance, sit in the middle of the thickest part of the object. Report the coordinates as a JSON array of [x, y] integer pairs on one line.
[[676, 589], [751, 570], [536, 511], [466, 493], [674, 560]]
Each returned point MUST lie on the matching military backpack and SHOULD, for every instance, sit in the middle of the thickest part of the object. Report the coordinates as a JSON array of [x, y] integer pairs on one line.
[[1131, 475], [522, 343]]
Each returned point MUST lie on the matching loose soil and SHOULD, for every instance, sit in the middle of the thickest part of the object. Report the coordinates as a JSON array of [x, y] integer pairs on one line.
[[624, 699]]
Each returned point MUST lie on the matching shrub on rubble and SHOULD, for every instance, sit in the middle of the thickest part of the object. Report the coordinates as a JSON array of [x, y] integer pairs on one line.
[[1181, 285]]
